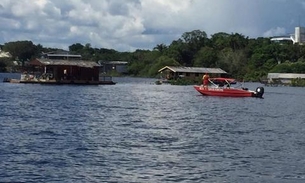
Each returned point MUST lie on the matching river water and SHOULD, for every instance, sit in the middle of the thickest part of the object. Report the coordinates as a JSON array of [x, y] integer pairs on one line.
[[136, 131]]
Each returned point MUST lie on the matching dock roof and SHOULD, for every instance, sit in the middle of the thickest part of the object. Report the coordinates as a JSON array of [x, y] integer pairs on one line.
[[114, 62], [63, 55], [194, 70], [285, 75], [79, 63]]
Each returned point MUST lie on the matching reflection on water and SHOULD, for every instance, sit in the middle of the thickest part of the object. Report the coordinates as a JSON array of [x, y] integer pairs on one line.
[[136, 131]]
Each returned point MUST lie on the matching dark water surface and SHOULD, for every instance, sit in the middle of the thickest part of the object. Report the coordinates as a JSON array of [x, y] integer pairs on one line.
[[136, 131]]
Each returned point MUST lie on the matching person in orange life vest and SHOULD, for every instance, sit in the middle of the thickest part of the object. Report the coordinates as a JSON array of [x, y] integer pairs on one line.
[[205, 79]]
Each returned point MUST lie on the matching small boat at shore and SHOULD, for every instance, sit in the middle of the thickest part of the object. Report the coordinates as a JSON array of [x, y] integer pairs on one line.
[[223, 89]]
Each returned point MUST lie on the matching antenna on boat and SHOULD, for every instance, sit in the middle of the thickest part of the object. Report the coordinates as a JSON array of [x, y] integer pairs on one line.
[[243, 83]]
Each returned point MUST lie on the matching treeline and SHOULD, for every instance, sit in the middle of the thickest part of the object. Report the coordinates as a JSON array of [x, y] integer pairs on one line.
[[243, 57]]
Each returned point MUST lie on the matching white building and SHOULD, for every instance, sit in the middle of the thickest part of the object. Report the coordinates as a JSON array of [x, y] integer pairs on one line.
[[4, 54], [297, 37]]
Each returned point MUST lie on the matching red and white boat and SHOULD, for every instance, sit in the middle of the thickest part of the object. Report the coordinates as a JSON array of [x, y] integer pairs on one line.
[[222, 87]]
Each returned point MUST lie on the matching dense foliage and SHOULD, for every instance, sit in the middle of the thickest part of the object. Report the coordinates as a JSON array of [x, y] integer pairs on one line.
[[243, 57]]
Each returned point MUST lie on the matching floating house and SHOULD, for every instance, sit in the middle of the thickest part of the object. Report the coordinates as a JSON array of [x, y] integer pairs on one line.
[[55, 71], [174, 72]]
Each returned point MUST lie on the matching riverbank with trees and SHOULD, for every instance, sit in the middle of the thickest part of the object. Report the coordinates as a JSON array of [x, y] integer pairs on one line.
[[248, 59]]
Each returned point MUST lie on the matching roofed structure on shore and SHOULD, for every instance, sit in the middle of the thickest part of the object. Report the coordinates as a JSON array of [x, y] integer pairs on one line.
[[174, 72], [284, 78], [117, 66], [60, 56], [67, 71], [58, 62]]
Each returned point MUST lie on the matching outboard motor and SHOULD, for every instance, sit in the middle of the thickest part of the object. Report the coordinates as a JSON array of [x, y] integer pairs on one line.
[[259, 92]]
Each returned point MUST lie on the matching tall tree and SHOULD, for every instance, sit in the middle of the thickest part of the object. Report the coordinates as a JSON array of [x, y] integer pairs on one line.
[[22, 50], [192, 43], [206, 57], [161, 62], [234, 62], [220, 40], [237, 41], [76, 48], [160, 47]]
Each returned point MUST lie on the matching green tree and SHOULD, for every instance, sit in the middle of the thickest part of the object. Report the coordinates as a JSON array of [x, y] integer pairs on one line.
[[220, 40], [195, 39], [175, 51], [234, 62], [160, 63], [76, 48], [237, 41], [298, 67], [141, 61], [206, 57], [22, 50], [282, 68], [160, 47], [2, 66]]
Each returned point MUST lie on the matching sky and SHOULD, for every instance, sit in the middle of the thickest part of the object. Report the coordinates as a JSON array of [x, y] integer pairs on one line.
[[128, 25]]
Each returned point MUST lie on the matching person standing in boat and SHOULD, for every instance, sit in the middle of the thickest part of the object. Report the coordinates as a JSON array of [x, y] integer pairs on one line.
[[205, 80]]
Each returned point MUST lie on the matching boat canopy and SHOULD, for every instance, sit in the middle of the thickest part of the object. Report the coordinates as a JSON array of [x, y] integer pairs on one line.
[[223, 80]]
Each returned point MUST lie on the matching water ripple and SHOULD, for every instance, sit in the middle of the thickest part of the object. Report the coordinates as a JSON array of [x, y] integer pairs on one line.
[[138, 132]]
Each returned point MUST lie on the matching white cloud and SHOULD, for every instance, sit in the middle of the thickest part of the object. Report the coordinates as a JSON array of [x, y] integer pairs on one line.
[[278, 31], [141, 24]]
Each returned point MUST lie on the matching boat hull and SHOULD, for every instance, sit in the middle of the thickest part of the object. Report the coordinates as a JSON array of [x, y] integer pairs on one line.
[[226, 92]]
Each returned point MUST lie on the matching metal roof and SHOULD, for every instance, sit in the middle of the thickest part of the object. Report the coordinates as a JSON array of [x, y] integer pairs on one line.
[[285, 75], [79, 63], [114, 62], [63, 55], [281, 38], [194, 70]]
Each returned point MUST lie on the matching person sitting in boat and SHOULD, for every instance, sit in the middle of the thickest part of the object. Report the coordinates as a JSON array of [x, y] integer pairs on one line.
[[221, 84], [205, 80]]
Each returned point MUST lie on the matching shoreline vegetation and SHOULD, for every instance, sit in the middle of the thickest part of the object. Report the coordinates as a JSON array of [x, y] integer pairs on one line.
[[244, 58]]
